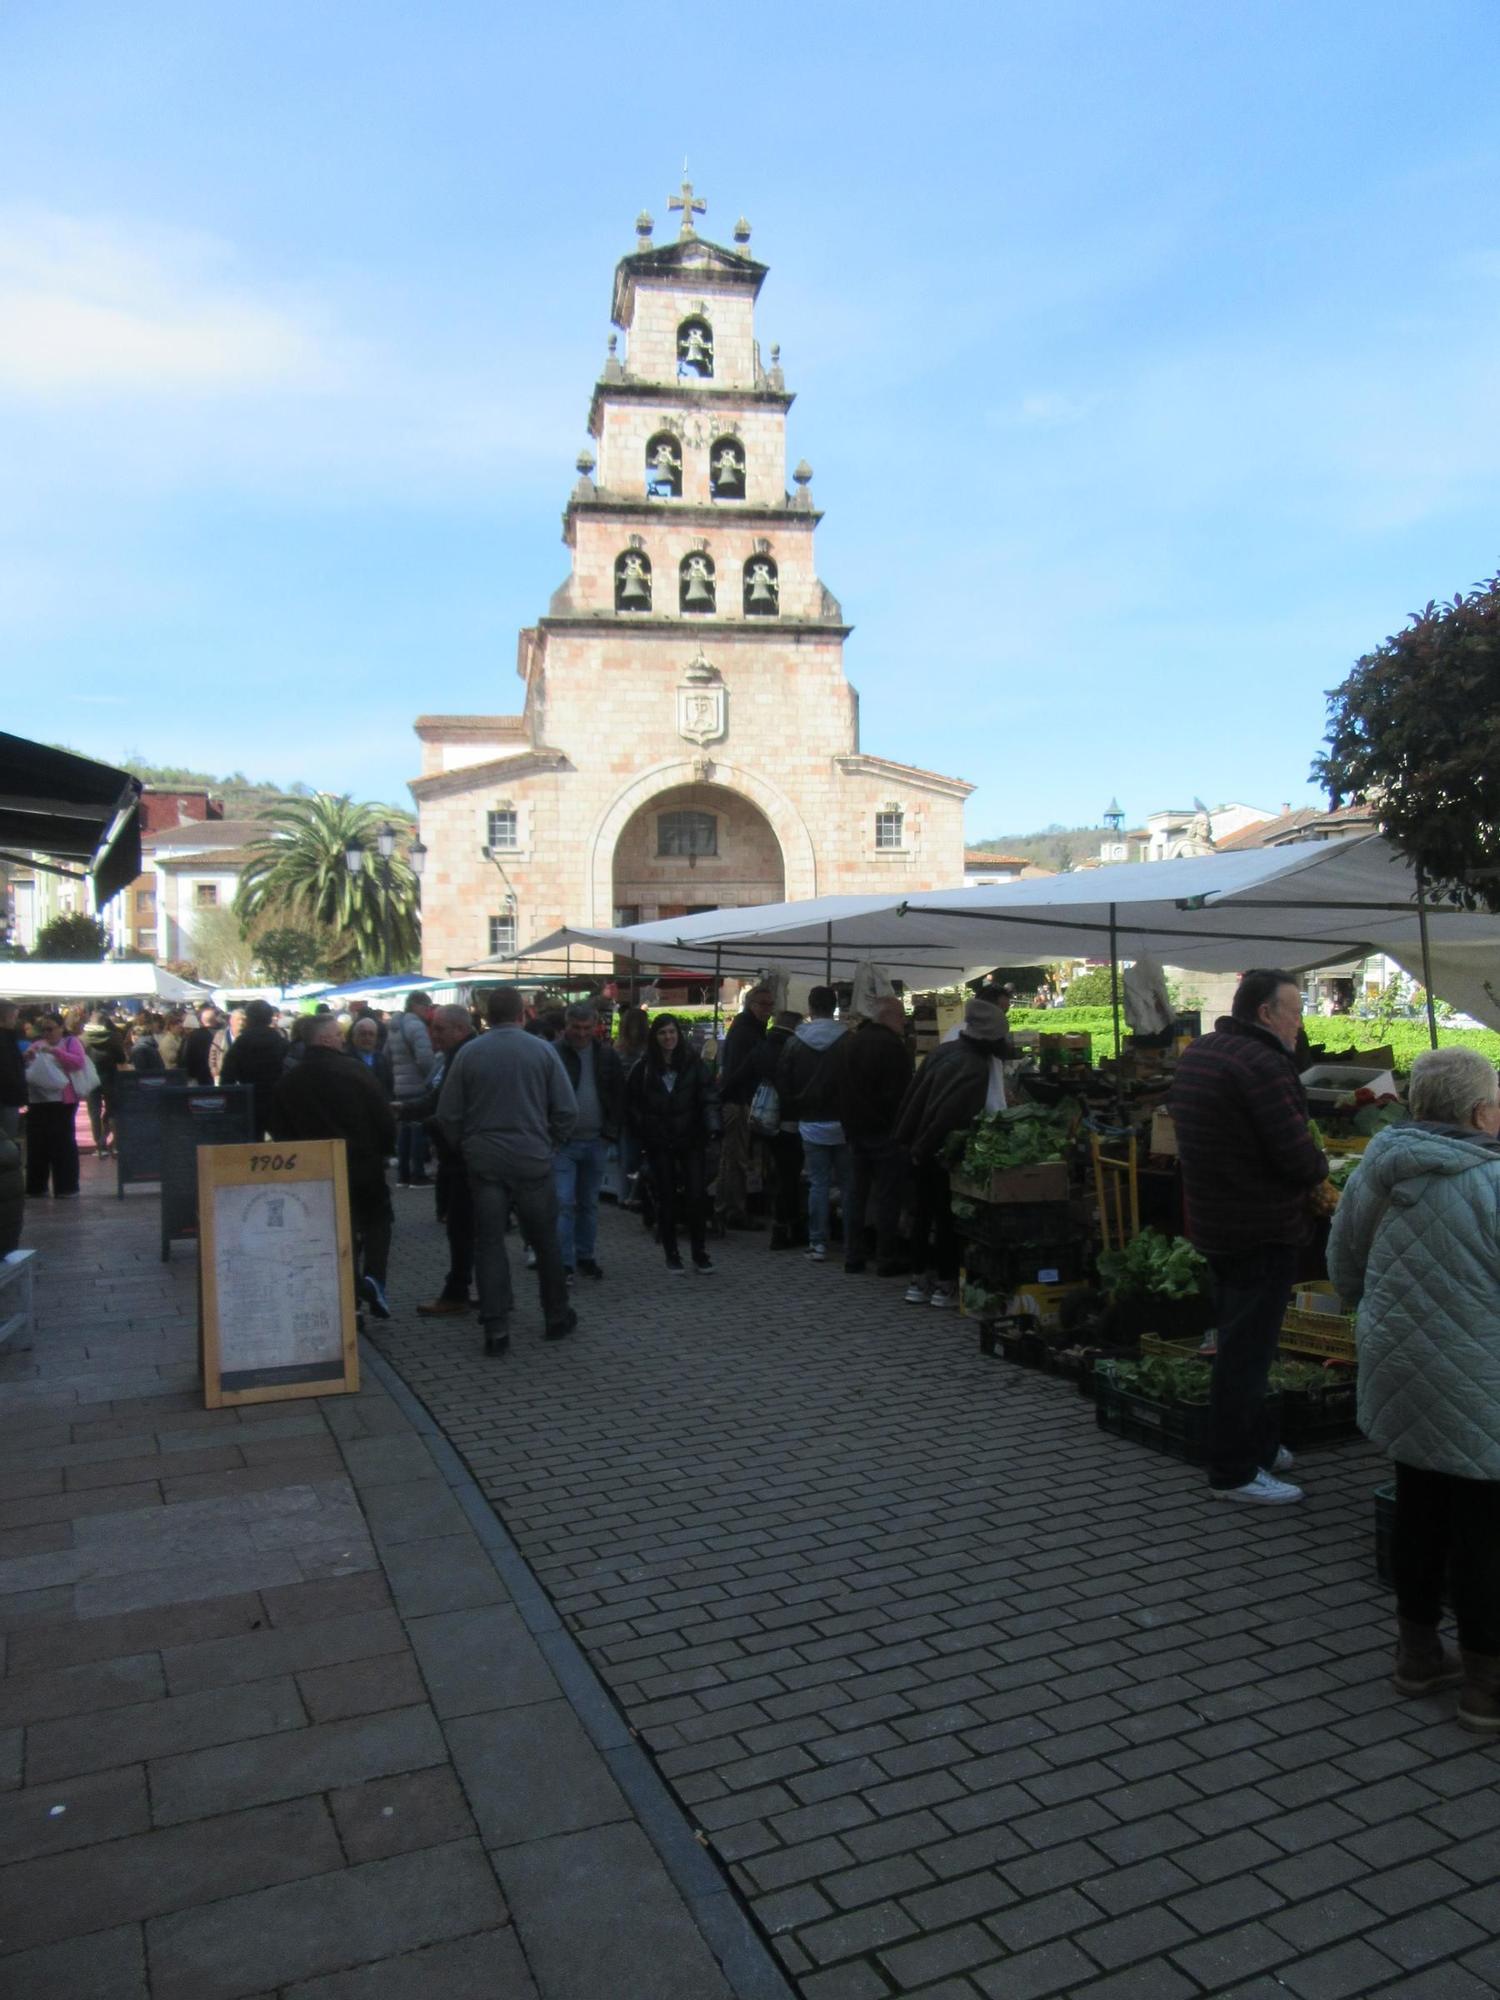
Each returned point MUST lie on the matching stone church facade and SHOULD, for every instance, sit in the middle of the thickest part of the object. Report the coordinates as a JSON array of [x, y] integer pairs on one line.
[[687, 738]]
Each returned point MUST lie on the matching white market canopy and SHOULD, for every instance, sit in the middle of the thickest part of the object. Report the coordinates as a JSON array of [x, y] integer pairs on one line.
[[110, 979], [1314, 903]]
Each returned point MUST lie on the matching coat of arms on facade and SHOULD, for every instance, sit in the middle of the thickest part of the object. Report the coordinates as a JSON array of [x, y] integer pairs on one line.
[[702, 715]]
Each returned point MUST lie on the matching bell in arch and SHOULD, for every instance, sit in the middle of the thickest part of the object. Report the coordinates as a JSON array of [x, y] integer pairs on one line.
[[698, 593], [635, 591], [761, 591]]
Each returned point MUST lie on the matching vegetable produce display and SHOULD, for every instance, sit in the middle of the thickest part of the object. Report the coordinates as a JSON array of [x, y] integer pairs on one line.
[[1155, 1266], [1169, 1379], [1025, 1136]]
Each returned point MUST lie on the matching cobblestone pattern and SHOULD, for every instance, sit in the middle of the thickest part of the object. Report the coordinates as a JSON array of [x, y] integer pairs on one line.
[[271, 1723], [968, 1698]]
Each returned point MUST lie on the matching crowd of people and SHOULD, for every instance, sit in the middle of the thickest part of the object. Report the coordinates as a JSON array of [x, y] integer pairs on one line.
[[824, 1131]]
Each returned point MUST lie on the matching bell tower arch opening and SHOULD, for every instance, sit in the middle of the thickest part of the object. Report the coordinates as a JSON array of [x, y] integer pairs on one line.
[[695, 847]]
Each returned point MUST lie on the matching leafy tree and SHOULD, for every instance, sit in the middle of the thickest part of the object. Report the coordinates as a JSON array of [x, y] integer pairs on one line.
[[1091, 988], [221, 951], [288, 955], [75, 938], [297, 867], [1415, 732]]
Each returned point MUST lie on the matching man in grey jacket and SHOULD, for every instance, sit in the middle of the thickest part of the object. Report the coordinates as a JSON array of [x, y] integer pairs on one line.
[[507, 1105], [409, 1046]]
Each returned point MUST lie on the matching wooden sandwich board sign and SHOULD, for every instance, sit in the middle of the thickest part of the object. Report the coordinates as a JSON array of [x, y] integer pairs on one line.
[[276, 1272]]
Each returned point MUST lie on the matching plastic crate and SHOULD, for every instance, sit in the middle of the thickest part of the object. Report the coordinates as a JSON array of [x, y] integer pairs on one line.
[[1327, 1336], [1017, 1224], [1178, 1429], [1311, 1417], [1319, 1336]]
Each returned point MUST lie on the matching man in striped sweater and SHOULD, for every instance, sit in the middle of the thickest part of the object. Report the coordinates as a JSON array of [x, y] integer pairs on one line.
[[1249, 1164]]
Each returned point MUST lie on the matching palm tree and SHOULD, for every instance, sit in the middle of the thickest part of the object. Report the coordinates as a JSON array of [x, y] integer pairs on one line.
[[297, 868]]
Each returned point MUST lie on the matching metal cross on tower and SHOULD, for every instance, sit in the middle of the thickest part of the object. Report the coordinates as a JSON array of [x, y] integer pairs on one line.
[[690, 205]]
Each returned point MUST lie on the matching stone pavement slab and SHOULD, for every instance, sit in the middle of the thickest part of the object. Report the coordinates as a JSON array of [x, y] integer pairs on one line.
[[963, 1696], [279, 1700]]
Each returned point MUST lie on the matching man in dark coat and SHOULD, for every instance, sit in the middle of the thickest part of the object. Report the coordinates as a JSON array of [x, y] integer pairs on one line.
[[197, 1047], [955, 1083], [872, 1073], [1249, 1165], [737, 1080], [449, 1028], [257, 1056], [598, 1080], [331, 1095]]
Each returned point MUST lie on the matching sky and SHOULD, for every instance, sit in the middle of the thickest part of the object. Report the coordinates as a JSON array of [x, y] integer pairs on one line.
[[1146, 356]]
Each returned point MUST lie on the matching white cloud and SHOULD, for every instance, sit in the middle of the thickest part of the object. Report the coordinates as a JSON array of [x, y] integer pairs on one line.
[[89, 308]]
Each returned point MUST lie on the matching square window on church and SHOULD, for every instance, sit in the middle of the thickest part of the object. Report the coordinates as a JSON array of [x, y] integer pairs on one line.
[[504, 829], [686, 833], [206, 895], [889, 830], [502, 935]]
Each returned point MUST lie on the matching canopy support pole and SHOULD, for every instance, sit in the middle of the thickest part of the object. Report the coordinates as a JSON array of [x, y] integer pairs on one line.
[[828, 961], [718, 986], [1114, 976], [1426, 960]]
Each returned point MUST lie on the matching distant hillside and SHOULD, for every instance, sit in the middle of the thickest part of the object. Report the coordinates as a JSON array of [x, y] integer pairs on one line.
[[1059, 847], [244, 798]]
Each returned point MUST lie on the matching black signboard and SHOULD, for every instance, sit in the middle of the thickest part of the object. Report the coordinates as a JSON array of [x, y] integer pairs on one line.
[[190, 1118], [135, 1113]]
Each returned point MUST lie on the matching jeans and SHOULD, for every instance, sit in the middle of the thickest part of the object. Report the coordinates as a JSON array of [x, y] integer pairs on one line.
[[51, 1148], [1447, 1526], [665, 1168], [371, 1220], [535, 1204], [824, 1164], [577, 1169], [100, 1124], [456, 1198], [1251, 1289], [934, 1241], [411, 1150], [10, 1121], [878, 1167]]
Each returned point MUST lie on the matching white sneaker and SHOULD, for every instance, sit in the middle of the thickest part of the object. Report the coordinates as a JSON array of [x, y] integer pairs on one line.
[[1261, 1491], [918, 1294], [1283, 1461], [941, 1296], [817, 1253]]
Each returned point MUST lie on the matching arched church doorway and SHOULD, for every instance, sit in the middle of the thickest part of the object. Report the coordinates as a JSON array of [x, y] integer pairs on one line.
[[695, 847]]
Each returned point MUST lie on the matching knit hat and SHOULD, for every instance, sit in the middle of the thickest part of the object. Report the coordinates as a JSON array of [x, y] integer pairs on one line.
[[984, 1021]]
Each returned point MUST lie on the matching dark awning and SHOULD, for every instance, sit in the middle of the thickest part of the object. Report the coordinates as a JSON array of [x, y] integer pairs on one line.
[[55, 803]]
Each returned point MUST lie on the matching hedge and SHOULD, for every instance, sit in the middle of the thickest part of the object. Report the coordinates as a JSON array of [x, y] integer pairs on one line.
[[1407, 1038]]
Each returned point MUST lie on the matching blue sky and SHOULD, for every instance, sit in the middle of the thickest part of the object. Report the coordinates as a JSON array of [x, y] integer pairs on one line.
[[1146, 356]]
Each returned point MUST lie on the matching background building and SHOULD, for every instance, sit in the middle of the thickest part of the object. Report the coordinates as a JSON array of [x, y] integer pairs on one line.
[[687, 738]]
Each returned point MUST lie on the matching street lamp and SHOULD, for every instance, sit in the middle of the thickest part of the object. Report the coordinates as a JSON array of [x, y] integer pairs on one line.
[[385, 846]]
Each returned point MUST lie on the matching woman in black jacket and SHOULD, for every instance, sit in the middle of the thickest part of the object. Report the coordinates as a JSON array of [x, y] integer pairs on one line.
[[668, 1103]]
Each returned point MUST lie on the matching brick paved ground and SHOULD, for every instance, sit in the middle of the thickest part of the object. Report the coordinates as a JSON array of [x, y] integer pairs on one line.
[[969, 1699], [281, 1711]]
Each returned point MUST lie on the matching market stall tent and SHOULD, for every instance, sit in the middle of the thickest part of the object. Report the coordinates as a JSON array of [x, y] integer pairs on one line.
[[1298, 907], [108, 979]]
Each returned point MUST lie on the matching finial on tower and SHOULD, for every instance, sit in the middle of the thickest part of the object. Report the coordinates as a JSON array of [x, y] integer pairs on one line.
[[742, 232], [689, 203], [643, 228]]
